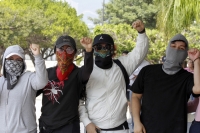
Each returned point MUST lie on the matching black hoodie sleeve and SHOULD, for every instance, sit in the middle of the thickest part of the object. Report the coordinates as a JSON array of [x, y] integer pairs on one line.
[[87, 68]]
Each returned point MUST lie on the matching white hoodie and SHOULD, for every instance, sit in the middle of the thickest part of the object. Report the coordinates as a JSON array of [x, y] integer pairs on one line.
[[17, 106], [106, 103]]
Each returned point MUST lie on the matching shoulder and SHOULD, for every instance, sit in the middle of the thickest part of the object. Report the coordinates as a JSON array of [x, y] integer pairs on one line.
[[152, 67], [184, 71], [51, 68]]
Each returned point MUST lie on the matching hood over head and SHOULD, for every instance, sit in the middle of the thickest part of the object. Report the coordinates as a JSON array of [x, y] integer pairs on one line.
[[175, 57], [13, 50]]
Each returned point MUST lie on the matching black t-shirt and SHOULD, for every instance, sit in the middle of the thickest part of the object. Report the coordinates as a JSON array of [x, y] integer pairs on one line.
[[164, 101], [61, 98]]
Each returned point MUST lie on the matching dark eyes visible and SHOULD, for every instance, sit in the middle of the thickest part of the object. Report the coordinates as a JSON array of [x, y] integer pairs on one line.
[[14, 59], [100, 47], [69, 50], [177, 47]]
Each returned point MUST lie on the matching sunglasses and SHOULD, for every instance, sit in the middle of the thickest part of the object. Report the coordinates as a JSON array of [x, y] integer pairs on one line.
[[69, 50], [99, 47]]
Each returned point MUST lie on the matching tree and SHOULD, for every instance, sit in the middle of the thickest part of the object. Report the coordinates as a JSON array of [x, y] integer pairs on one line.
[[176, 15], [192, 34], [118, 11], [125, 39], [39, 21]]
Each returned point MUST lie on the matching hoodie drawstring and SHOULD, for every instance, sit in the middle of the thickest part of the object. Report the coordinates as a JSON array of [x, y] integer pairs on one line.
[[7, 97]]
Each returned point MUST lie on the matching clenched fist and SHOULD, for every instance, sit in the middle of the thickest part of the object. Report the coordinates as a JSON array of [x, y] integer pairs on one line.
[[138, 25], [35, 48], [193, 54], [86, 42]]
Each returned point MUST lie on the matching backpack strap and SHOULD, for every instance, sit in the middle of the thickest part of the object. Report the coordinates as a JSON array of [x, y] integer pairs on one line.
[[126, 77]]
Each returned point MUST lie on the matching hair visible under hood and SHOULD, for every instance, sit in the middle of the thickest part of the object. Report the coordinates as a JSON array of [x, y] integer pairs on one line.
[[13, 50], [179, 37]]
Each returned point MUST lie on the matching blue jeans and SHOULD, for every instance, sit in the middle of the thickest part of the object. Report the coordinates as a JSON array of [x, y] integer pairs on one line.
[[195, 127]]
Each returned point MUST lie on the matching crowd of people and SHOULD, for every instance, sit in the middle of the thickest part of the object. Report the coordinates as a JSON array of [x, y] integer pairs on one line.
[[98, 93]]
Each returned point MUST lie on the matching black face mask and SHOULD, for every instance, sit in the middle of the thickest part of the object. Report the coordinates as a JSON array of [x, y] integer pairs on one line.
[[104, 63]]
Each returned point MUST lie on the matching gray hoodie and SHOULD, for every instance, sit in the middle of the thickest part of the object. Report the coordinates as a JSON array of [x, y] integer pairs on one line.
[[17, 106]]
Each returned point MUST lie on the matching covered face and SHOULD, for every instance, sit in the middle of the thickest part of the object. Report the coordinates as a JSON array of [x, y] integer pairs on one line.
[[176, 53], [103, 50], [13, 65], [65, 50]]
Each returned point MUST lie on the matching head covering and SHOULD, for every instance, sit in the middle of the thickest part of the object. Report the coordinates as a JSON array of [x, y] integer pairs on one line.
[[175, 57], [13, 69], [65, 40], [103, 38], [103, 59]]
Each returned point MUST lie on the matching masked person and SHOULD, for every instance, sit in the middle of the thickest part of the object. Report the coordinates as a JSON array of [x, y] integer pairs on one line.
[[164, 90], [106, 103], [18, 90], [62, 93]]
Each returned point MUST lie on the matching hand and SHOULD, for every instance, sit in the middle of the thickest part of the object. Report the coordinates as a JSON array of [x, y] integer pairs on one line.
[[86, 42], [35, 48], [138, 25], [91, 128], [193, 53], [139, 128]]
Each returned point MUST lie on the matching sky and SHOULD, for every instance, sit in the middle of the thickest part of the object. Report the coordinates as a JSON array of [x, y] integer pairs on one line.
[[87, 8]]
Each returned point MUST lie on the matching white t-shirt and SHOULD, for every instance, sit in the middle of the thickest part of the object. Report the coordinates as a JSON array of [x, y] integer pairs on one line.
[[136, 72]]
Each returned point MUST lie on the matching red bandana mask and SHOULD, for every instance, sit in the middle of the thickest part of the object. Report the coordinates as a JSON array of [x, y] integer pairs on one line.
[[64, 60]]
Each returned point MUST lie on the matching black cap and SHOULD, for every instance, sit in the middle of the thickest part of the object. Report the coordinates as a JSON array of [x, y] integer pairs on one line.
[[103, 38], [65, 40]]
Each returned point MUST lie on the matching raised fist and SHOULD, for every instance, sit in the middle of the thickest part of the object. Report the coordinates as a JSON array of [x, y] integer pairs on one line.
[[86, 42], [35, 48], [138, 25]]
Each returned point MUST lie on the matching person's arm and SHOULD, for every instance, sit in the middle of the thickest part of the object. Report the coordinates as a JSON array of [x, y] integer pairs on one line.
[[192, 105], [136, 106], [194, 55], [90, 127], [87, 68], [39, 78], [137, 55]]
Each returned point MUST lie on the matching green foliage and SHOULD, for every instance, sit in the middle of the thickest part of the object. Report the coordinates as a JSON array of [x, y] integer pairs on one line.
[[39, 21], [125, 39], [125, 11], [192, 34], [176, 15], [124, 36]]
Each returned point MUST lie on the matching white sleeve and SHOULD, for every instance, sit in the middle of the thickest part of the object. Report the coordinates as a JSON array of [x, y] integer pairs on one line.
[[137, 55], [39, 78], [83, 113]]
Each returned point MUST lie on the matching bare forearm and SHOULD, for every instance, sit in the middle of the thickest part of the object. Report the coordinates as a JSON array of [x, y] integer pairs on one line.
[[197, 76], [135, 108]]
